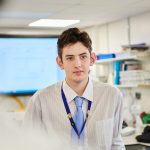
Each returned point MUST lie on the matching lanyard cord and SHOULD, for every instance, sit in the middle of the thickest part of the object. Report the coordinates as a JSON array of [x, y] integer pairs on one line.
[[70, 115]]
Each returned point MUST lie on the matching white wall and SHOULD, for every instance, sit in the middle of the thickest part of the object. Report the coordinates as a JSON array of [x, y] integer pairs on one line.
[[117, 35], [102, 39], [140, 28], [110, 36]]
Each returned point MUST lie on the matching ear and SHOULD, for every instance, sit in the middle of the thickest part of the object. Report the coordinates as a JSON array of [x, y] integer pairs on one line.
[[59, 62], [93, 58]]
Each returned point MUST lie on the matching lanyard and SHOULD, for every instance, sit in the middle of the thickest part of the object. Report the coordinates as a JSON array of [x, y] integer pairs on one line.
[[70, 115]]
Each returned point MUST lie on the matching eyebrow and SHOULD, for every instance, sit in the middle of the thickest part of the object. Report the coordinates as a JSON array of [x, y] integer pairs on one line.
[[73, 55], [82, 54]]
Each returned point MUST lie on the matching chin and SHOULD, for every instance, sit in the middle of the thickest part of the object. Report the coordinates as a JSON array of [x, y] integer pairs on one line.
[[79, 79]]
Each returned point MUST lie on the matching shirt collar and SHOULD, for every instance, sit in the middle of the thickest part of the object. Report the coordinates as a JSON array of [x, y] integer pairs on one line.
[[71, 94]]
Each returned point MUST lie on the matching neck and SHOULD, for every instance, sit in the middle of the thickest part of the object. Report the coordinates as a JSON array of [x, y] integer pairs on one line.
[[78, 87]]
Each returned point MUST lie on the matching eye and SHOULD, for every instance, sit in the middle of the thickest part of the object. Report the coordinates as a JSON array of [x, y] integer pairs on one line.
[[83, 57], [69, 58]]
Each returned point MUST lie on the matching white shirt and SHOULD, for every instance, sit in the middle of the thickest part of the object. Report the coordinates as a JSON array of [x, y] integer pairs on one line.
[[46, 109], [88, 95]]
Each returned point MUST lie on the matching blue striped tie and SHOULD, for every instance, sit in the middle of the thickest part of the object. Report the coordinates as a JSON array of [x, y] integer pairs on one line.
[[79, 121]]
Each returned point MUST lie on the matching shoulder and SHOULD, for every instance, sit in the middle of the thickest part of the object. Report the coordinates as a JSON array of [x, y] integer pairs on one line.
[[47, 91], [105, 87], [107, 92]]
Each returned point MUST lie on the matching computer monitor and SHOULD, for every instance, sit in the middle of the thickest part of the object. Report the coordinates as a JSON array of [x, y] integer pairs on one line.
[[28, 64]]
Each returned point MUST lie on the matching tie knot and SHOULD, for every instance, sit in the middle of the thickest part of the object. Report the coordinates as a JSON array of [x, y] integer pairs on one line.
[[78, 101]]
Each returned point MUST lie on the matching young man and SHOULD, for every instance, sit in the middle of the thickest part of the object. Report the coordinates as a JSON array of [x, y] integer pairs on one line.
[[89, 113]]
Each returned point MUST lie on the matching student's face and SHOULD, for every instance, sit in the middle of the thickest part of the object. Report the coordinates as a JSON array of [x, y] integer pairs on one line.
[[76, 61]]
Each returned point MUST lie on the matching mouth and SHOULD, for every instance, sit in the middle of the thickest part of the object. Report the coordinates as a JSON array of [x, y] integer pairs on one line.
[[78, 72]]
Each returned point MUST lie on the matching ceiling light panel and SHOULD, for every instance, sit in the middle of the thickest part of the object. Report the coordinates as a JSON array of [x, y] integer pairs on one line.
[[53, 23]]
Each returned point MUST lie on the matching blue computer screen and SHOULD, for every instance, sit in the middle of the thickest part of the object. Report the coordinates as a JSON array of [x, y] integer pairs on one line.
[[28, 64]]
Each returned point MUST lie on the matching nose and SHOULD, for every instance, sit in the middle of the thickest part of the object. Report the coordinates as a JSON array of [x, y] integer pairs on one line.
[[77, 62]]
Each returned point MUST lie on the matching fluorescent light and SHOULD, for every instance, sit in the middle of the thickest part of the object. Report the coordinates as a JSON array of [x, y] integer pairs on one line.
[[53, 23]]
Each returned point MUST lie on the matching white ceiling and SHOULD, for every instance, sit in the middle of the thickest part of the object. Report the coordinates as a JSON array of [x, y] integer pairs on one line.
[[19, 13]]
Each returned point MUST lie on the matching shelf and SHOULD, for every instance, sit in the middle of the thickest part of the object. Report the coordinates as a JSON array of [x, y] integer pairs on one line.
[[115, 59], [134, 85], [139, 57], [134, 57]]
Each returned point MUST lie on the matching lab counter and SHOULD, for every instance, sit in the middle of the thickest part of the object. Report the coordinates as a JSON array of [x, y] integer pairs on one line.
[[132, 144]]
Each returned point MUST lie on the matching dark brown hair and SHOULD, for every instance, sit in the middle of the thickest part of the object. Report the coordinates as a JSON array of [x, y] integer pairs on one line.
[[72, 36]]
